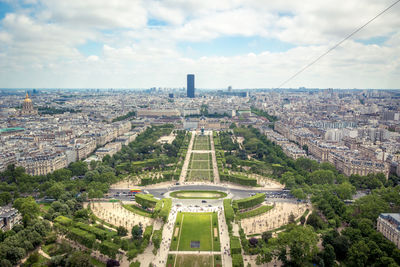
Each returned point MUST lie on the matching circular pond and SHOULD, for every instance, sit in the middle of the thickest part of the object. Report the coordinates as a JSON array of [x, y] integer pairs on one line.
[[197, 194]]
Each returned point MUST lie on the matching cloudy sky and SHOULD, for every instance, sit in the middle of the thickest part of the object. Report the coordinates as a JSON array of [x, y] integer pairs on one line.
[[245, 44]]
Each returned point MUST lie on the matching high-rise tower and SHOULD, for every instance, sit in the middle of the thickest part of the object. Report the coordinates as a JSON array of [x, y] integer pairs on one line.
[[190, 85]]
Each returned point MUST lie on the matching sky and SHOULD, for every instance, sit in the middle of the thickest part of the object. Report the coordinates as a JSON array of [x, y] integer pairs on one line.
[[155, 43]]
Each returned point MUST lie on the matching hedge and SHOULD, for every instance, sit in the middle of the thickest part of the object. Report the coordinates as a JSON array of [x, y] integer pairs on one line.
[[249, 202], [166, 209], [63, 220], [109, 249], [238, 179], [228, 210], [138, 210], [147, 232], [81, 236], [146, 200], [237, 260], [254, 212], [99, 233], [157, 237], [235, 245]]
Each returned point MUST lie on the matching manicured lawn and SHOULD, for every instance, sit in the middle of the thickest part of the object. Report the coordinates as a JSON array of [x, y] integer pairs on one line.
[[197, 164], [200, 175], [194, 261], [200, 156], [138, 210], [202, 142], [196, 227], [197, 194], [254, 212]]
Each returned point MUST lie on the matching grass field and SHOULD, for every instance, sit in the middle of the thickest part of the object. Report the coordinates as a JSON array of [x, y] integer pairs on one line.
[[200, 167], [196, 227], [202, 142], [197, 194], [200, 164], [201, 156], [194, 261], [195, 175]]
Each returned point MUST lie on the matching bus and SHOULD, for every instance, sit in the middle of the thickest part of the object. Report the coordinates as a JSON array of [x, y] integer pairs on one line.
[[134, 191]]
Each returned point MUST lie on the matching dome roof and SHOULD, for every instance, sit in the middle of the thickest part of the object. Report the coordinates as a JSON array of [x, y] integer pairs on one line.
[[27, 99]]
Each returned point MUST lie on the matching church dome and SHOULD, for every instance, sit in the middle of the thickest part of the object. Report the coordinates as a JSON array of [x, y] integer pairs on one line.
[[27, 99]]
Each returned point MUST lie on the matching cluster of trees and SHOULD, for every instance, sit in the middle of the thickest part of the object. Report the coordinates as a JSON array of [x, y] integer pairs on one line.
[[128, 115], [327, 189], [16, 243], [264, 114], [145, 153], [53, 111]]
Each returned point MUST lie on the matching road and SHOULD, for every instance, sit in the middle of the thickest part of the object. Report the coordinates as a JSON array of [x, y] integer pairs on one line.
[[159, 192]]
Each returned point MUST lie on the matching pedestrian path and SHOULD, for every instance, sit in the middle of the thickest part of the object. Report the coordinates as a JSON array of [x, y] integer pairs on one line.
[[187, 159]]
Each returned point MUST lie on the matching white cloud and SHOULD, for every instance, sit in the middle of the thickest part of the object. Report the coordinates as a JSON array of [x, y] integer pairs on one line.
[[39, 44]]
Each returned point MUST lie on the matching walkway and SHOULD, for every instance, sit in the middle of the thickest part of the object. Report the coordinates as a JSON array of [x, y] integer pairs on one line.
[[224, 240], [214, 161], [187, 159], [162, 253]]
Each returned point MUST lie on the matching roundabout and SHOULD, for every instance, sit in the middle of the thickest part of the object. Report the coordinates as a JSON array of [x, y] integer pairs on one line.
[[197, 194]]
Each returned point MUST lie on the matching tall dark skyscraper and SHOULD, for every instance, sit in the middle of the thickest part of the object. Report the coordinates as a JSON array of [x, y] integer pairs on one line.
[[190, 85]]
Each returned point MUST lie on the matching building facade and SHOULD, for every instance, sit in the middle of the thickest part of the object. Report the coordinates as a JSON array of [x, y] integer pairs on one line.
[[389, 225]]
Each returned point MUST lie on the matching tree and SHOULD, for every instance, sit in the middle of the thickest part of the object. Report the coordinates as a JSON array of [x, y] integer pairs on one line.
[[78, 259], [321, 177], [329, 255], [122, 231], [137, 231], [5, 198], [28, 208], [296, 245], [55, 190], [78, 168], [358, 254], [112, 263], [14, 254], [266, 236], [345, 190]]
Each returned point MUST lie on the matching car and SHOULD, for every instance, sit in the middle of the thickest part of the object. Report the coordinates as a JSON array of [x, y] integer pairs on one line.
[[209, 205], [203, 201], [178, 204], [162, 193], [177, 184], [197, 206]]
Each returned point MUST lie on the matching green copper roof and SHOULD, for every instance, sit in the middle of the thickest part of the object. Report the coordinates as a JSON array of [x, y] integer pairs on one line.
[[5, 130]]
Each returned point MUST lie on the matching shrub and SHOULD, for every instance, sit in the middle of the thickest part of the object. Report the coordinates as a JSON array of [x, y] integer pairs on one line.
[[249, 202]]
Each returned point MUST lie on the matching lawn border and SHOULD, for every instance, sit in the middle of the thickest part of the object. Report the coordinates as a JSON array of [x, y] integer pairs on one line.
[[222, 194]]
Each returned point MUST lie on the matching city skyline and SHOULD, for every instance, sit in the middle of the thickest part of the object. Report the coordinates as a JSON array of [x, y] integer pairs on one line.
[[146, 44]]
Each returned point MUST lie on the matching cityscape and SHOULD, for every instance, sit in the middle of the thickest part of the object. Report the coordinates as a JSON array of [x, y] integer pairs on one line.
[[216, 166]]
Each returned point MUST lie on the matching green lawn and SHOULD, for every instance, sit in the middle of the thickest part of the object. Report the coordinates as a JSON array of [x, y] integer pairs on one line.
[[200, 175], [200, 156], [196, 227], [202, 142], [194, 261], [254, 212], [138, 210], [198, 194], [197, 164]]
